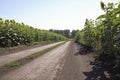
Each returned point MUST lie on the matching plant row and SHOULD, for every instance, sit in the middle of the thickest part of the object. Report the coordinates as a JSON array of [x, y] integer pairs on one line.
[[14, 34], [103, 34]]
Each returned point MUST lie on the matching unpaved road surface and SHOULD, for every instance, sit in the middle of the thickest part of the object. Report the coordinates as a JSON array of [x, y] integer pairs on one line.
[[19, 55], [76, 64], [62, 63]]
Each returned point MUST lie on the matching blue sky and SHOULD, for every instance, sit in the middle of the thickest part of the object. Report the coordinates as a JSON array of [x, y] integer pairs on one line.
[[55, 14]]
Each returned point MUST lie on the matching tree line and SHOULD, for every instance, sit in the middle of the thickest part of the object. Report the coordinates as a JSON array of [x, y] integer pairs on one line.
[[67, 33]]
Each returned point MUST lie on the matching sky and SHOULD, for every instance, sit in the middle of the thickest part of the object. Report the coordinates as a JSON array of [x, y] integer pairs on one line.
[[52, 14]]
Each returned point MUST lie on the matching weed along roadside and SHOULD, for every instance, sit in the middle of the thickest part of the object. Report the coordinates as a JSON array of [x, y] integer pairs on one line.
[[16, 64]]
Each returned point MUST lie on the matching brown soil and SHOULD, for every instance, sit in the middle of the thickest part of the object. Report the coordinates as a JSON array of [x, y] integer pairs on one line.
[[76, 63]]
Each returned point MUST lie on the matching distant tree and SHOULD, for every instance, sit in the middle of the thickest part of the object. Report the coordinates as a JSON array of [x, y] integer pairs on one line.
[[65, 33], [73, 33]]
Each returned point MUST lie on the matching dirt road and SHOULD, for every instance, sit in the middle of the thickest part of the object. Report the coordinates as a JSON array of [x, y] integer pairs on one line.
[[62, 63], [76, 64], [18, 55]]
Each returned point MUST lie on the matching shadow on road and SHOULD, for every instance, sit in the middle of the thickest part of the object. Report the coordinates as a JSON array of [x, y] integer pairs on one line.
[[101, 70], [83, 49]]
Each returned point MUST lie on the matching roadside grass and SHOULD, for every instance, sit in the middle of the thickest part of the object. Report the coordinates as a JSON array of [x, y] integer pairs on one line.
[[43, 51], [18, 63], [39, 42], [13, 64]]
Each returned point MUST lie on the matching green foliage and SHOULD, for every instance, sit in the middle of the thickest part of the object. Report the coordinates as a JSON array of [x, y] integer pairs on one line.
[[13, 64], [13, 34], [102, 5], [65, 33], [73, 33], [103, 34], [110, 36], [77, 37], [80, 37]]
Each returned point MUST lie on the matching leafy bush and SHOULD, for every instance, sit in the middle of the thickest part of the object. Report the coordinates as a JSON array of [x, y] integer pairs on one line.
[[103, 34], [13, 34]]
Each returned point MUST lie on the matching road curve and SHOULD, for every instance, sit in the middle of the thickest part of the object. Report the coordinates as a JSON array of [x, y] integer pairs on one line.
[[19, 55], [44, 67]]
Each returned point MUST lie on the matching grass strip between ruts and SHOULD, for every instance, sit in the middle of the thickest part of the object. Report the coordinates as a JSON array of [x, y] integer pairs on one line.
[[10, 66]]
